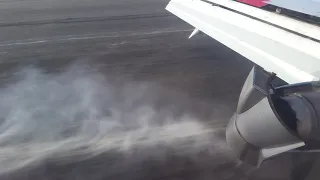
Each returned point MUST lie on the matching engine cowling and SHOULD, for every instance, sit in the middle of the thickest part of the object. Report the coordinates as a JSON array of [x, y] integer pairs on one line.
[[270, 121]]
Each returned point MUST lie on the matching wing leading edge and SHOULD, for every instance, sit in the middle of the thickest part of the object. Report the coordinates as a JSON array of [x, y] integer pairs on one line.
[[288, 47]]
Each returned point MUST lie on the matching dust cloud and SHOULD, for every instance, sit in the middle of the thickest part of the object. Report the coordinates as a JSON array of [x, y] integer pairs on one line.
[[77, 125]]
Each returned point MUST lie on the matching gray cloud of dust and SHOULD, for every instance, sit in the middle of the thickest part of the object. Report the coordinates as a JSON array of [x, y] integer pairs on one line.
[[83, 126]]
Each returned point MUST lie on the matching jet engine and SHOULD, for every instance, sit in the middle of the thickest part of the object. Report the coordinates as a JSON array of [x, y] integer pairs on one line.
[[272, 120]]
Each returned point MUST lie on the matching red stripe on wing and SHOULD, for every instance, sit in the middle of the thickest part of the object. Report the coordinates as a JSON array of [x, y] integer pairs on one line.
[[256, 3]]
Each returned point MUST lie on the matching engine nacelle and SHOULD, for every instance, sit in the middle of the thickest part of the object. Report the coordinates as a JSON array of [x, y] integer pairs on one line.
[[270, 121]]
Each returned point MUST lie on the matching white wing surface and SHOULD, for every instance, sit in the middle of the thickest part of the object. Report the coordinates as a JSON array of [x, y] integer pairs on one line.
[[286, 46]]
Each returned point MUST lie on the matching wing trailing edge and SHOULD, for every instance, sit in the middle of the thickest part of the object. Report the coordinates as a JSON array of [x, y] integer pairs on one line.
[[288, 47]]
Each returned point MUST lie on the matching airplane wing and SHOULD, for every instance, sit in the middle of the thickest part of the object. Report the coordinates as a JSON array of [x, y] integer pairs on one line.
[[286, 46]]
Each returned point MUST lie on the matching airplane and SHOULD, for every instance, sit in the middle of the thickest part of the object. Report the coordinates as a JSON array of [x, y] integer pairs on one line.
[[282, 39], [306, 8]]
